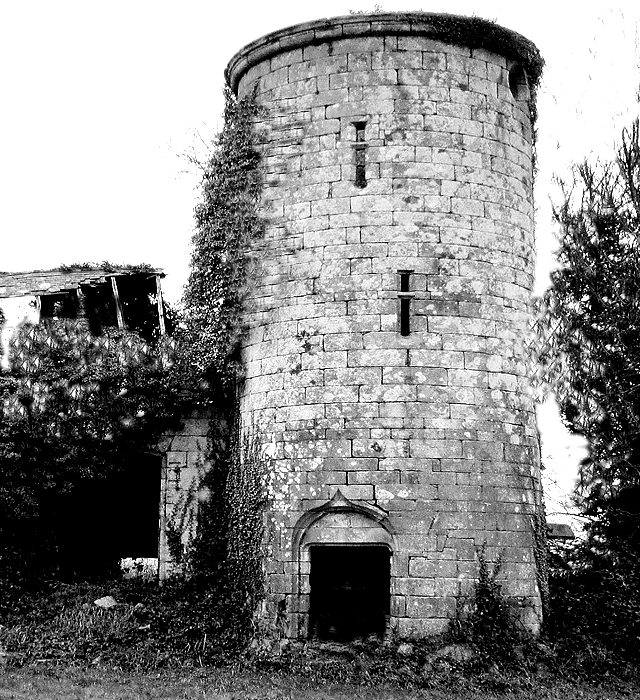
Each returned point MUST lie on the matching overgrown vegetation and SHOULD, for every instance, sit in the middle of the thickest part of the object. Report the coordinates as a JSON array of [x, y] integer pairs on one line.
[[593, 324], [107, 266], [594, 620], [77, 409], [226, 552], [592, 356], [227, 223], [486, 620], [77, 406]]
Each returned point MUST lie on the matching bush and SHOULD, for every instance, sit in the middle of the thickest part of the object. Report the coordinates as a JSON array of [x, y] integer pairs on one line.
[[486, 620], [594, 618], [75, 411]]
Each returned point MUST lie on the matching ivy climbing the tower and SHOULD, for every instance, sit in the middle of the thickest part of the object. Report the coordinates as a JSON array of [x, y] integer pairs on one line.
[[226, 223], [227, 549]]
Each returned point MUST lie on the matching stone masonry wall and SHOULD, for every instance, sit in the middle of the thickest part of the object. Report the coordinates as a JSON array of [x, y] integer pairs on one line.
[[183, 469], [435, 429]]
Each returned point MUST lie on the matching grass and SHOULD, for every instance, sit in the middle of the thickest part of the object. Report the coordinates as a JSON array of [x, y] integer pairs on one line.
[[152, 645], [236, 683]]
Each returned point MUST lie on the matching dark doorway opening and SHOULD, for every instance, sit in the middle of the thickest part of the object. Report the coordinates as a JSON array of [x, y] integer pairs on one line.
[[103, 520], [349, 591]]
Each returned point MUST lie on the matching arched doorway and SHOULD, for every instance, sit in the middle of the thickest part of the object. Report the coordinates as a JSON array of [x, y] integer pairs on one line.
[[349, 591], [345, 555]]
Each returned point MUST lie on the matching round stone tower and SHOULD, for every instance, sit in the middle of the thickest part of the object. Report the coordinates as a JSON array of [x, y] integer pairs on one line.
[[386, 369]]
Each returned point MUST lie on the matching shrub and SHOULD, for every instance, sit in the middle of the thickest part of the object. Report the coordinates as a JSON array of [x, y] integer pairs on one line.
[[486, 620], [594, 618], [75, 409]]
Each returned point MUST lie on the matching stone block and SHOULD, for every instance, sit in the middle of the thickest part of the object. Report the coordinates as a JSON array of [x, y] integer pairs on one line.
[[325, 360], [345, 411], [409, 628], [413, 587], [476, 449], [431, 607], [188, 443], [332, 394], [380, 448], [398, 606], [357, 493], [388, 393], [353, 375], [436, 449], [374, 477], [326, 477], [377, 358]]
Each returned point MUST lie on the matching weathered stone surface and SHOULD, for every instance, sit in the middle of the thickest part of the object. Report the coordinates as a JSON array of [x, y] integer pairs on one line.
[[106, 602], [183, 468], [435, 428]]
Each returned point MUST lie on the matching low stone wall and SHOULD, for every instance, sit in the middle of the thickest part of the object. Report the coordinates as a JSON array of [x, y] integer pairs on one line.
[[183, 468]]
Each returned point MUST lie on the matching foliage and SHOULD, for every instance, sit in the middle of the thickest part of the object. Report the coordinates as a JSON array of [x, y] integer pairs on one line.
[[594, 619], [486, 620], [592, 355], [592, 358], [308, 678], [227, 553], [245, 498], [227, 550], [476, 32], [107, 266], [76, 408], [152, 626], [226, 223], [184, 621], [181, 524]]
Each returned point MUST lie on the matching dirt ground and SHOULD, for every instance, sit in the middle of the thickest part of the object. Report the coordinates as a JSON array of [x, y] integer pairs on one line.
[[232, 684]]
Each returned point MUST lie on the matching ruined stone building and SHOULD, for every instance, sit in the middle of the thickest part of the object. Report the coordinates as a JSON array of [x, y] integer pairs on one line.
[[91, 299], [386, 369], [386, 373]]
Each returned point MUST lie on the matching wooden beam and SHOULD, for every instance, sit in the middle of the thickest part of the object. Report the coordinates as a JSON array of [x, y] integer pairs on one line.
[[82, 307], [116, 296], [161, 322]]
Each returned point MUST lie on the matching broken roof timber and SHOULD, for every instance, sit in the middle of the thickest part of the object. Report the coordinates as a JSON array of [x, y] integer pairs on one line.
[[38, 282]]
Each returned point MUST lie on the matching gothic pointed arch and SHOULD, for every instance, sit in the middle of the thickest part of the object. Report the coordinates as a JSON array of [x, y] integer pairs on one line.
[[342, 521]]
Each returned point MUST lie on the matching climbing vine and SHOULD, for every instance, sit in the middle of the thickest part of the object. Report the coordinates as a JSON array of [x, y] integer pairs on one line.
[[226, 552], [226, 223]]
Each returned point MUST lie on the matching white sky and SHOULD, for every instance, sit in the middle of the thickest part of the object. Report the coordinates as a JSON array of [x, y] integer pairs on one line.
[[100, 100]]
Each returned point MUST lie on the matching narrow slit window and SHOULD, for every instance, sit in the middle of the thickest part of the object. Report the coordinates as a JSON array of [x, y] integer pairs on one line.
[[405, 295], [360, 154], [405, 316]]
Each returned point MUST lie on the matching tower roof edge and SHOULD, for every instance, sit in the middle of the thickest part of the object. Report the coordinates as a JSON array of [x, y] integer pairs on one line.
[[473, 32]]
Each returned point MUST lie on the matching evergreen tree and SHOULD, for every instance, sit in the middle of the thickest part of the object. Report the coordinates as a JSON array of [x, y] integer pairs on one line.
[[592, 350]]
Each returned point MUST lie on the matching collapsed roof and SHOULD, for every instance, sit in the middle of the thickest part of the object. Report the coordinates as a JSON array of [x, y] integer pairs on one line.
[[123, 296]]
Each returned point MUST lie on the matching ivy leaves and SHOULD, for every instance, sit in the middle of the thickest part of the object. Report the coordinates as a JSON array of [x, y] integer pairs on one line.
[[226, 223]]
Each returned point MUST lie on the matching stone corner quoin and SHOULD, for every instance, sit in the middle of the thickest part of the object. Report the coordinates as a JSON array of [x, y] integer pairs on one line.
[[387, 323]]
